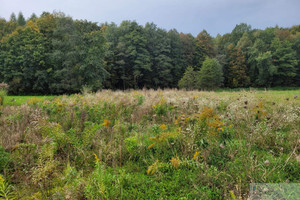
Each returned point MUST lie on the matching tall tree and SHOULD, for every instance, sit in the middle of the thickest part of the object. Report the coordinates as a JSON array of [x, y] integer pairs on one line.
[[92, 66], [238, 32], [244, 43], [6, 27], [204, 47], [237, 69], [285, 60], [21, 20], [33, 17], [266, 70], [13, 17], [266, 36], [256, 50], [189, 80], [23, 60], [77, 57], [112, 34], [176, 56], [132, 50], [159, 48], [205, 40], [296, 47], [210, 75], [188, 47]]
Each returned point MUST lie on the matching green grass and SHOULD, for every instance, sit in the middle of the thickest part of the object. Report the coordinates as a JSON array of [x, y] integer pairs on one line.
[[19, 100], [281, 89]]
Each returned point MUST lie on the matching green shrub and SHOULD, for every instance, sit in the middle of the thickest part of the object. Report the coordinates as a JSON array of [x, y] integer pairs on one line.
[[6, 190], [3, 94], [189, 79], [4, 158], [140, 100]]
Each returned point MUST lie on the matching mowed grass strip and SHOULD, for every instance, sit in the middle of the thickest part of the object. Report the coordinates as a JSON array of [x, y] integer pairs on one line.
[[19, 100]]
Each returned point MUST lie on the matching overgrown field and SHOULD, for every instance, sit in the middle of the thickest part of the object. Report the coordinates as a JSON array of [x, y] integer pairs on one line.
[[149, 144]]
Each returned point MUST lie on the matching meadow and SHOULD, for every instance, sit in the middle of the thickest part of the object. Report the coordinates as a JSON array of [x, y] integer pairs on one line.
[[148, 144]]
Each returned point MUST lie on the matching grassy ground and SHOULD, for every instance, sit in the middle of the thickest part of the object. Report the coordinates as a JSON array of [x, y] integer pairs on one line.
[[18, 100], [149, 144]]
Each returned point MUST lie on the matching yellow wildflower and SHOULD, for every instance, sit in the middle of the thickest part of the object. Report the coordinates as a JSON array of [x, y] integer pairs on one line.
[[230, 126], [96, 158], [153, 168], [1, 179], [151, 145], [179, 130], [163, 127], [163, 137], [205, 113], [196, 155], [175, 162], [220, 129], [106, 123]]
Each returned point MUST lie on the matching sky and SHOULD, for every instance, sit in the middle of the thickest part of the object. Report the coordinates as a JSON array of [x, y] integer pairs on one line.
[[187, 16]]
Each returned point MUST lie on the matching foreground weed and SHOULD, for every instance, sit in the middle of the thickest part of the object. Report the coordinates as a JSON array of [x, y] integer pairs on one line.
[[152, 169], [196, 155], [6, 190], [163, 137], [106, 123], [175, 162], [3, 94]]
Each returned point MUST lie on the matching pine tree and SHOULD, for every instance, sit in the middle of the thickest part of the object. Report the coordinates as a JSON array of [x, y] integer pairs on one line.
[[189, 79], [21, 20], [13, 17]]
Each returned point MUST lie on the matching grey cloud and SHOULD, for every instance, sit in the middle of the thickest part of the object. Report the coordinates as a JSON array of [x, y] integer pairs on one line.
[[216, 16]]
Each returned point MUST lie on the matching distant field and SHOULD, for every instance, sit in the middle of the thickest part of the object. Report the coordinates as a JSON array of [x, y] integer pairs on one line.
[[147, 144]]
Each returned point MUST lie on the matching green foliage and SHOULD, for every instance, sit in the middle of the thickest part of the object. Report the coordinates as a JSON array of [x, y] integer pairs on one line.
[[285, 61], [132, 145], [238, 32], [210, 75], [23, 58], [36, 56], [236, 68], [204, 47], [266, 70], [161, 108], [96, 188], [6, 190], [188, 46], [140, 99], [13, 17], [189, 79], [4, 159], [54, 54], [21, 20], [3, 94]]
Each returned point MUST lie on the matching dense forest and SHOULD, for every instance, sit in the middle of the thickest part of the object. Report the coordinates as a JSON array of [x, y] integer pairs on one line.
[[54, 54]]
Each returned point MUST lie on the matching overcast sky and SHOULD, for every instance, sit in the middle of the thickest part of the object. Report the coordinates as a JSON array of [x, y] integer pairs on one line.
[[188, 16]]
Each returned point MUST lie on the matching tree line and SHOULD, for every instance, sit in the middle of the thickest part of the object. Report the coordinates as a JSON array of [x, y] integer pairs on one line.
[[54, 54]]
